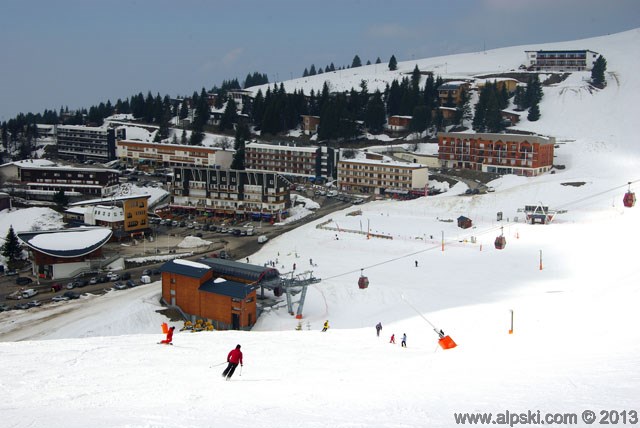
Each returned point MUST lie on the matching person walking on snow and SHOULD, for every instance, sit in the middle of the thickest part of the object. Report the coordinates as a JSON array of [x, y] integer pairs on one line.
[[416, 263], [393, 339], [234, 358], [378, 329], [404, 340], [169, 338], [326, 325]]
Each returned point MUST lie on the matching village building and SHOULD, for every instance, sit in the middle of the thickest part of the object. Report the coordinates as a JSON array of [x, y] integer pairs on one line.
[[65, 253], [527, 155], [379, 175], [230, 193], [199, 292], [126, 216], [500, 83], [561, 60], [310, 124], [398, 123], [150, 156], [295, 162], [450, 93], [42, 179], [5, 201], [82, 143]]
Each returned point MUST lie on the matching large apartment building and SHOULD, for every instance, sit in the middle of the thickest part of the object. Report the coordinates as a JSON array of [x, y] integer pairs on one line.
[[158, 155], [561, 60], [81, 143], [225, 192], [527, 155], [292, 161], [379, 175], [42, 182]]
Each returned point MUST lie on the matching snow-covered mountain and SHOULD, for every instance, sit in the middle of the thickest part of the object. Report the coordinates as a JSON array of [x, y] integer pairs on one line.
[[572, 286]]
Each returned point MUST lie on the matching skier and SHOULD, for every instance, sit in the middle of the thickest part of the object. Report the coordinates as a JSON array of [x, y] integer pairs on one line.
[[404, 340], [311, 262], [393, 339], [169, 338], [234, 357], [247, 259], [326, 325], [378, 328]]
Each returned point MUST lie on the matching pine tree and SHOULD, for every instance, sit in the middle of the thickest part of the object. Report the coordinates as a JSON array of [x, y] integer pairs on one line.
[[229, 117], [393, 63], [597, 72], [356, 62], [312, 70], [419, 119], [242, 135], [183, 137], [374, 116], [11, 250], [60, 199], [378, 61], [534, 113]]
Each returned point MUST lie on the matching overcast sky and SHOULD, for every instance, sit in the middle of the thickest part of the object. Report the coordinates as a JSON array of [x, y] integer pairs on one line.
[[79, 53]]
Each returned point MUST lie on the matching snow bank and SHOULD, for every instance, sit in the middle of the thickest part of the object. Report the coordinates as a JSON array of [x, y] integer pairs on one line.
[[191, 264], [193, 242]]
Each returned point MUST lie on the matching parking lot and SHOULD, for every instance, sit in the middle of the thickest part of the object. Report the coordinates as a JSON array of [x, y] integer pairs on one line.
[[238, 239]]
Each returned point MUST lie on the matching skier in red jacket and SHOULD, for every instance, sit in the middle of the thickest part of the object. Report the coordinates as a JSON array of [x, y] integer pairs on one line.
[[234, 357], [169, 338]]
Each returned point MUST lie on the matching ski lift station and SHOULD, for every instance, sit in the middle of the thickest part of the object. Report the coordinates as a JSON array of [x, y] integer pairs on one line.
[[224, 292]]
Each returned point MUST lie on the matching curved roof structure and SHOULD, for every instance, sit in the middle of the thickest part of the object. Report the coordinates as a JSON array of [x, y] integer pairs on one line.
[[67, 243]]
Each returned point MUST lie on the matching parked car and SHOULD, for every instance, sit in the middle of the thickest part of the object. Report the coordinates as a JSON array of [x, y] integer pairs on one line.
[[145, 279], [205, 228], [113, 276], [71, 295], [29, 293], [4, 308], [11, 272], [16, 295], [34, 304], [59, 298], [119, 286], [199, 235], [490, 189], [155, 272], [93, 280], [23, 280], [126, 276], [262, 239], [22, 306], [71, 285], [183, 224], [56, 287], [81, 283], [131, 283]]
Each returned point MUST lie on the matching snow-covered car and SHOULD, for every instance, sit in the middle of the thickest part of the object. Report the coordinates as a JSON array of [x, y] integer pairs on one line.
[[262, 239], [34, 304], [490, 189], [59, 298]]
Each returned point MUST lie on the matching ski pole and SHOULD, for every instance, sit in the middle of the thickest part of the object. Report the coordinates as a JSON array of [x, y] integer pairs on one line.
[[240, 370], [216, 365]]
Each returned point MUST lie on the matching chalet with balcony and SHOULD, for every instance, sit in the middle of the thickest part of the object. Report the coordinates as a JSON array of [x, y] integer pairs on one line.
[[398, 123]]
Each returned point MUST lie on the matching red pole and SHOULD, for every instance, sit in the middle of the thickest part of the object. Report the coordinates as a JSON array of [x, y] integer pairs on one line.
[[540, 259]]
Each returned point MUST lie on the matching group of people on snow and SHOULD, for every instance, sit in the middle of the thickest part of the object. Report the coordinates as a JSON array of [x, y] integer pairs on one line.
[[393, 336]]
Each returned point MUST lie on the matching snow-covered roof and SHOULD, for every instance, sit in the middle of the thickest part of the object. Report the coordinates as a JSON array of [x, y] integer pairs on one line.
[[30, 162], [67, 243], [108, 200]]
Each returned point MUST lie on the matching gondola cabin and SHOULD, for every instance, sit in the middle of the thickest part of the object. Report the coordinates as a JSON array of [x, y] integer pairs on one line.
[[500, 242], [629, 199], [363, 281]]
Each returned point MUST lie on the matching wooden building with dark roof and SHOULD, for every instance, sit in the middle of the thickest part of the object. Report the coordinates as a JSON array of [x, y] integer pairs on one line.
[[193, 288]]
